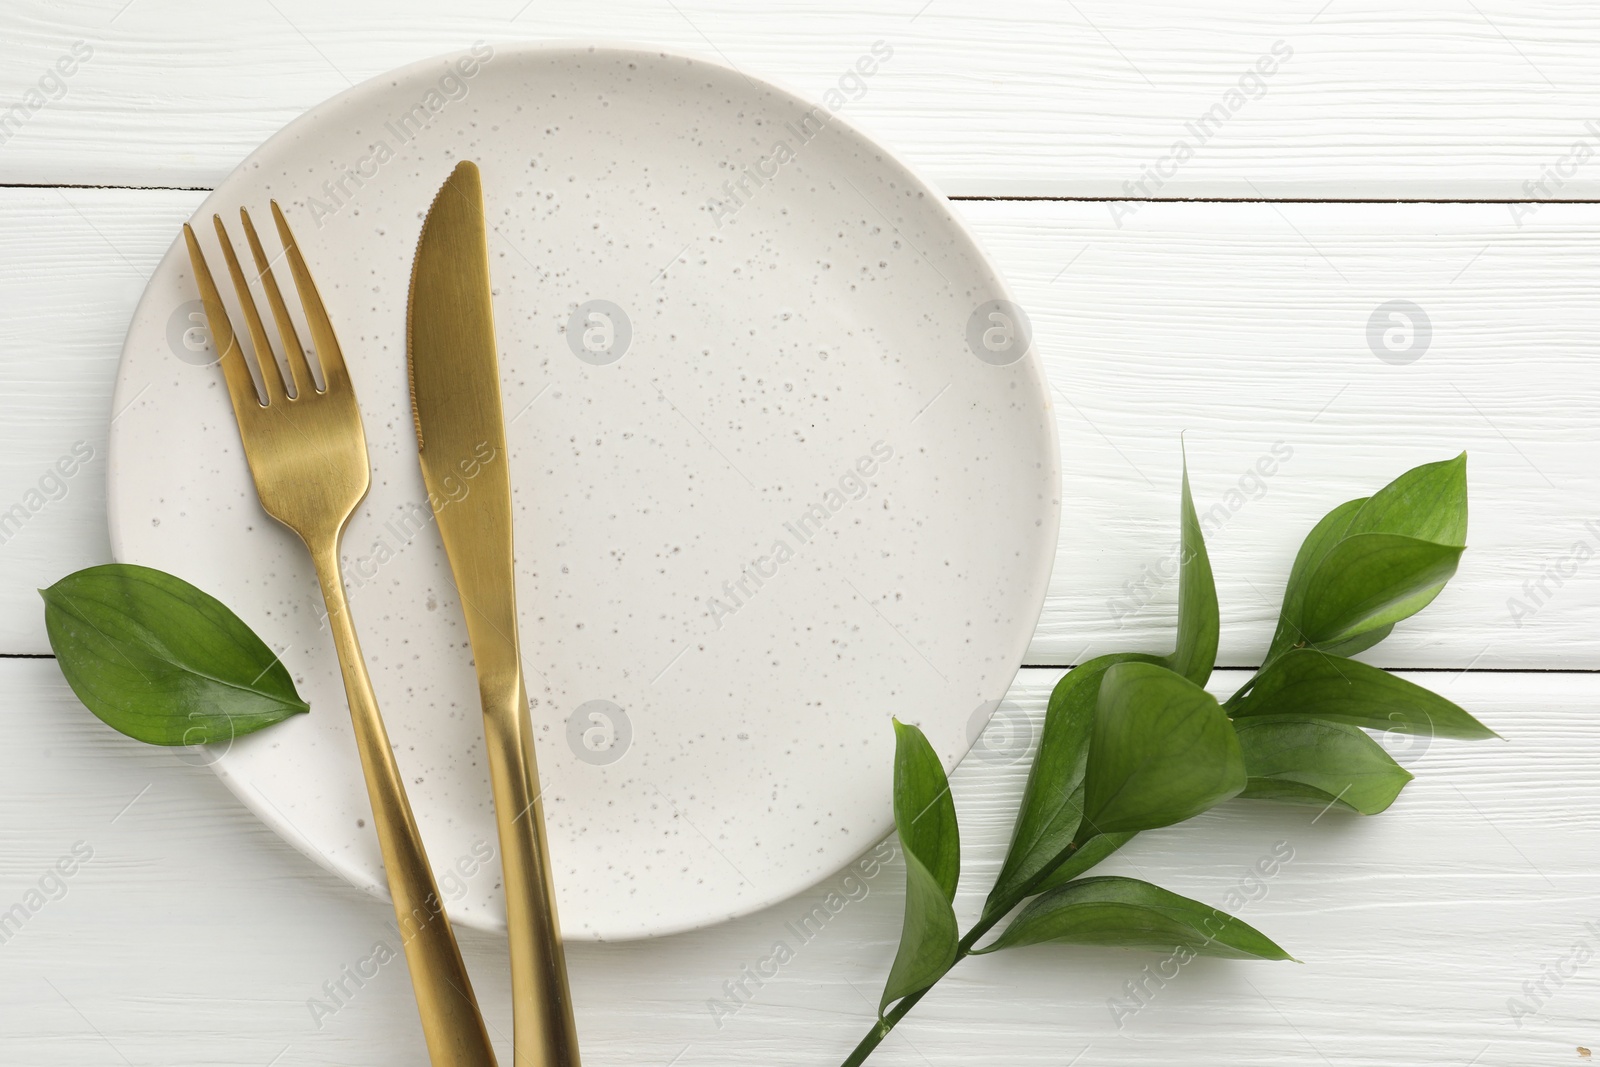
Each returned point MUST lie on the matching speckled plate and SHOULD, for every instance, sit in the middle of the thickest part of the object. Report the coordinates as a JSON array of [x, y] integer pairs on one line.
[[783, 459]]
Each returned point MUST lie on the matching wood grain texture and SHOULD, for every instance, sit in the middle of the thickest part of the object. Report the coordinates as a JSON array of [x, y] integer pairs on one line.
[[1444, 932], [194, 936], [1433, 99], [1242, 325]]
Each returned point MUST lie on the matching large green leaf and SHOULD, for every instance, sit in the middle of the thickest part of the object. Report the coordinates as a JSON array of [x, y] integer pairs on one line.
[[1427, 502], [1126, 912], [1368, 581], [1359, 643], [1318, 763], [1198, 621], [925, 819], [162, 661], [1161, 751], [1052, 802], [1308, 684]]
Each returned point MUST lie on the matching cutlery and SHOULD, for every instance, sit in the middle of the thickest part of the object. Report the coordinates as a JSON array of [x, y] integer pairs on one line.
[[455, 398], [307, 452]]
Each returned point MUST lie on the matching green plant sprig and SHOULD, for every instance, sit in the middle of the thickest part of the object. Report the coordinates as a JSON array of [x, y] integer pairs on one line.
[[1132, 741]]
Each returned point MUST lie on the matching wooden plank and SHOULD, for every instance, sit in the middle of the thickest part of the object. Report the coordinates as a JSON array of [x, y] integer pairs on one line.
[[193, 936], [1244, 325], [1248, 327], [75, 265], [1435, 99]]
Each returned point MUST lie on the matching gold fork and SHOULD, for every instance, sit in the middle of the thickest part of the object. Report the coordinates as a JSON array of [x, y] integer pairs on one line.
[[308, 455]]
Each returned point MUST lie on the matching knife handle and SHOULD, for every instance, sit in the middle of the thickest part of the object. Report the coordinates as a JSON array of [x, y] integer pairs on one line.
[[544, 1032], [451, 1022]]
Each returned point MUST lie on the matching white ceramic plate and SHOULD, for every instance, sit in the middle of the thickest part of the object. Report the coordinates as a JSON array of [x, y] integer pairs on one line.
[[784, 468]]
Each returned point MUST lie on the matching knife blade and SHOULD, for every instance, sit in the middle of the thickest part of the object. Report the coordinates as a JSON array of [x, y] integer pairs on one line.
[[461, 444]]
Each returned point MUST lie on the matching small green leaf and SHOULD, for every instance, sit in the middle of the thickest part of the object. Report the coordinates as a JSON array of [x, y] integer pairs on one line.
[[1323, 536], [1162, 751], [1198, 621], [1128, 913], [1318, 763], [1090, 855], [162, 661], [925, 819], [1308, 684], [924, 811], [1052, 802], [928, 937], [1368, 581], [1427, 503]]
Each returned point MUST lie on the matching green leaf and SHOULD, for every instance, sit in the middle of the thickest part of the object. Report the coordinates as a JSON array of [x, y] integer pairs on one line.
[[1198, 622], [162, 661], [1052, 802], [1126, 912], [1090, 855], [924, 811], [1359, 643], [925, 819], [1309, 684], [1319, 763], [1427, 502], [1323, 536], [1161, 751], [1368, 581], [928, 937]]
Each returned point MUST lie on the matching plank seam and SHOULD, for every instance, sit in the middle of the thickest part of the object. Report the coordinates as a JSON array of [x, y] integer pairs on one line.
[[121, 188], [979, 199], [1259, 200], [1220, 667], [1391, 670]]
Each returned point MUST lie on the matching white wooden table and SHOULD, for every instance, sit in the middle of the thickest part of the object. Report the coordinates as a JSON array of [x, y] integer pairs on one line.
[[1395, 153]]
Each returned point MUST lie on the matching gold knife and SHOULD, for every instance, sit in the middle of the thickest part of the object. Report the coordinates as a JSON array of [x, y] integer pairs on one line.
[[461, 441]]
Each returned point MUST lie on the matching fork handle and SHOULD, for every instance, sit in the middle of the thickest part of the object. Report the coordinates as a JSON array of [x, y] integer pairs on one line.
[[544, 1032], [451, 1022]]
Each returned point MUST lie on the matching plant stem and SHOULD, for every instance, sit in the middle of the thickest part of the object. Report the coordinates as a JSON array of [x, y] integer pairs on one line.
[[881, 1028], [991, 917]]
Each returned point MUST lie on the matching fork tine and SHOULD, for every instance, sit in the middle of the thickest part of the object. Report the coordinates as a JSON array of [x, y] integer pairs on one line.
[[299, 370], [271, 379], [241, 389], [322, 338]]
